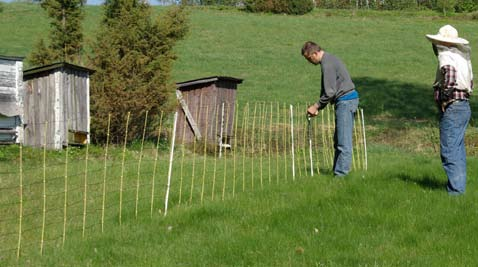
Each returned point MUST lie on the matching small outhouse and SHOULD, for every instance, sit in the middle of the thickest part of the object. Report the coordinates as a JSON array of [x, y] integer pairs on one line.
[[11, 101], [206, 105], [57, 105]]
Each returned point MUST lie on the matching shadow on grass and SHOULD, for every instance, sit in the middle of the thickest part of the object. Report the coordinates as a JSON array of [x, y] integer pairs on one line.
[[400, 100], [396, 98], [424, 181]]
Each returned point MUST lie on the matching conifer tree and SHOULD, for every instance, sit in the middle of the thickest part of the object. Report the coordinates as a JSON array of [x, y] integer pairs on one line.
[[66, 37], [132, 57]]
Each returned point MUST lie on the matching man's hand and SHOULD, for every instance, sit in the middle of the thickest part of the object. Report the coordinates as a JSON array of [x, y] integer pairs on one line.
[[313, 110]]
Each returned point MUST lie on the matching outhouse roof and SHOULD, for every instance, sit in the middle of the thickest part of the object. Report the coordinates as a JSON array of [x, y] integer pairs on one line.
[[13, 58], [54, 66], [208, 80]]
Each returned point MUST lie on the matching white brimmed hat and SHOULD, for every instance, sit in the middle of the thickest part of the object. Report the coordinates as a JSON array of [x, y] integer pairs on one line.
[[447, 34]]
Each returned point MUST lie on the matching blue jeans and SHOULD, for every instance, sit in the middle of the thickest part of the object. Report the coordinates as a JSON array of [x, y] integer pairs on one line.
[[453, 123], [344, 124]]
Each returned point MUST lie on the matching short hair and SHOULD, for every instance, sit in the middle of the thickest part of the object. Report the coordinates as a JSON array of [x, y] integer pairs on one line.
[[309, 48]]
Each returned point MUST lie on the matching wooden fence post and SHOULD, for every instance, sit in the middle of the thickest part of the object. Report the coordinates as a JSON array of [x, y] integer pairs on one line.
[[139, 165], [44, 189], [153, 180], [85, 194], [104, 174], [122, 168], [20, 217]]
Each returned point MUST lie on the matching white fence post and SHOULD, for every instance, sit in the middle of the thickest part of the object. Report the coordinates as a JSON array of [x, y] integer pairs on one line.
[[292, 140], [171, 154]]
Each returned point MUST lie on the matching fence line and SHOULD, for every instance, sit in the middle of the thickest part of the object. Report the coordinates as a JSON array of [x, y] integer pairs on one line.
[[80, 193]]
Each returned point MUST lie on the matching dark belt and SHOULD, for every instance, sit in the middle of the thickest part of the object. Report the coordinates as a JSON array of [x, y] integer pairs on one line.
[[455, 101], [345, 93]]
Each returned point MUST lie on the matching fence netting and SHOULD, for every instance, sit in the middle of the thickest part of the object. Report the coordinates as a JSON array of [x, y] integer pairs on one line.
[[47, 196]]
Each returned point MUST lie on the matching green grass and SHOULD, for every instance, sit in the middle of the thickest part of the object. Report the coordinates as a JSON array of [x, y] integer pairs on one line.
[[395, 214], [384, 55], [388, 216]]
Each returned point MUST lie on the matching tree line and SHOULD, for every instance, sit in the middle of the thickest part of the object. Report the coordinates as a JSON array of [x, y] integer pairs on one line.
[[450, 5], [445, 6]]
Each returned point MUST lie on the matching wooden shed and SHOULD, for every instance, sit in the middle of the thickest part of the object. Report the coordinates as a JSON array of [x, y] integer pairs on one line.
[[57, 105], [11, 101], [207, 101]]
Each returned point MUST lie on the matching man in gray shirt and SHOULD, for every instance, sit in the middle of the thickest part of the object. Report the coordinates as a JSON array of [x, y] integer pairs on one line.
[[336, 87]]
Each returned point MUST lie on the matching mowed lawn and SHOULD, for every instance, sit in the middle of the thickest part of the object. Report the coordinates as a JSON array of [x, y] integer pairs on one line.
[[395, 214]]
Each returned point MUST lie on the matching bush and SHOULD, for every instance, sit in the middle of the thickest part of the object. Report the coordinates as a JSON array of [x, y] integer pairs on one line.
[[399, 4], [220, 2], [299, 7], [294, 7], [474, 15], [340, 4], [446, 6], [465, 6], [132, 56]]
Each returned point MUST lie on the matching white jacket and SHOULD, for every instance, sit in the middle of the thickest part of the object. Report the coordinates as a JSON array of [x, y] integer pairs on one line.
[[459, 58]]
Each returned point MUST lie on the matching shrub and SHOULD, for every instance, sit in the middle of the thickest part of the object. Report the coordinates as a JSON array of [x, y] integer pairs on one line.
[[132, 57], [299, 7], [220, 2], [340, 4], [399, 4], [466, 6], [446, 6], [474, 15], [294, 7]]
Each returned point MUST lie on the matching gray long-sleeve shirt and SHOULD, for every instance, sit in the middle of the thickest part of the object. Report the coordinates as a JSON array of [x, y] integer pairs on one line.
[[336, 80]]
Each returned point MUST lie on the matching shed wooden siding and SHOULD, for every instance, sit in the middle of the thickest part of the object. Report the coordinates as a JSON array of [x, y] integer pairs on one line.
[[11, 102], [208, 94], [58, 95]]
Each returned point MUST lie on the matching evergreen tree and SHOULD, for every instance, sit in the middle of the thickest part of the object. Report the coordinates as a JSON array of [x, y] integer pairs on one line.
[[66, 37], [132, 58]]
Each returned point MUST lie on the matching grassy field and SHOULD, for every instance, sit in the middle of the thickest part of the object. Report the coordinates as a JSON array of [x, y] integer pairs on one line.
[[390, 215], [395, 214], [390, 60]]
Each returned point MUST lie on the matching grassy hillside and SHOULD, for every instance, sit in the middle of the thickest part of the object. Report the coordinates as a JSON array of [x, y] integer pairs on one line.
[[395, 214], [386, 53], [388, 57]]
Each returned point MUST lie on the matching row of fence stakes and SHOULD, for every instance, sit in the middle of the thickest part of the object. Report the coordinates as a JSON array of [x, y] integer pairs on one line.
[[252, 135]]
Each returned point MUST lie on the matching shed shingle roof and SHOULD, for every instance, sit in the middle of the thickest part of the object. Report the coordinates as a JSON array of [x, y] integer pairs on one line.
[[53, 66], [208, 80]]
